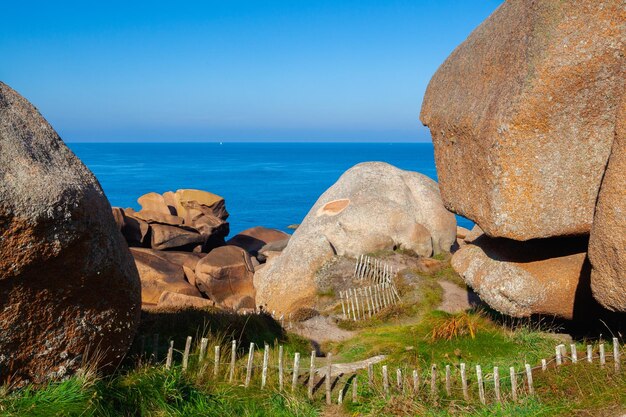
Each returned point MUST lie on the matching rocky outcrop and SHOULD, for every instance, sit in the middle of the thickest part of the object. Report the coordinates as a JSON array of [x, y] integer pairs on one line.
[[225, 277], [184, 220], [373, 206], [607, 244], [523, 113], [69, 289], [548, 276], [254, 239], [172, 300], [158, 275]]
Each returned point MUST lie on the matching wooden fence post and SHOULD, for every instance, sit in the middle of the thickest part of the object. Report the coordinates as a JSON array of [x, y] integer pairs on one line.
[[433, 380], [281, 370], [529, 378], [296, 369], [416, 382], [329, 371], [385, 380], [496, 383], [574, 352], [544, 365], [464, 382], [355, 392], [266, 357], [589, 353], [170, 356], [186, 353], [557, 351], [513, 383], [249, 365], [602, 356], [203, 345], [616, 354], [216, 361], [343, 306], [448, 388], [233, 358], [481, 385], [370, 374], [399, 380], [351, 302], [311, 375]]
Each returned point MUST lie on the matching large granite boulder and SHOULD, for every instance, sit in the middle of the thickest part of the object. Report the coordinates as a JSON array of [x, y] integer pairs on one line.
[[547, 276], [158, 275], [373, 206], [225, 277], [522, 116], [69, 290], [607, 243], [255, 238]]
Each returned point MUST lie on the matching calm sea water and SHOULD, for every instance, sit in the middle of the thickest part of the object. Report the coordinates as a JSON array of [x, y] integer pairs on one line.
[[268, 184]]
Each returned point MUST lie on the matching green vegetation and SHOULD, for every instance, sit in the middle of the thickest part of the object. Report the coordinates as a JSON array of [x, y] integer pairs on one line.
[[413, 335]]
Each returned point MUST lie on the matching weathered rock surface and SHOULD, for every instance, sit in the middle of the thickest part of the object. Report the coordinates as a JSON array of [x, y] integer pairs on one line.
[[522, 116], [159, 275], [172, 237], [607, 243], [136, 232], [548, 276], [255, 238], [373, 206], [213, 202], [271, 248], [175, 300], [68, 285], [154, 202], [185, 220], [225, 276]]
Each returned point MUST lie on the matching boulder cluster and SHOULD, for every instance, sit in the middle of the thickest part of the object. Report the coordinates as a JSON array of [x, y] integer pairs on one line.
[[528, 123], [177, 240]]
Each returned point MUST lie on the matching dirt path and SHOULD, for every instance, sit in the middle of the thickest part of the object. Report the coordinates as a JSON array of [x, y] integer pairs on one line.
[[320, 329], [456, 299]]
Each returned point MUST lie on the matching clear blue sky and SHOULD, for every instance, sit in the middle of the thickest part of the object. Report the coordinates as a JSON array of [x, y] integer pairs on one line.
[[232, 70]]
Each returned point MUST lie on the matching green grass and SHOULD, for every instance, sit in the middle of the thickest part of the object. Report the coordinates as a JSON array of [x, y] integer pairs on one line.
[[412, 335], [150, 391]]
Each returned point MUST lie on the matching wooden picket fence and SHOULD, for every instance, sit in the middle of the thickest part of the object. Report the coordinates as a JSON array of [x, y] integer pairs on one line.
[[364, 301], [454, 382]]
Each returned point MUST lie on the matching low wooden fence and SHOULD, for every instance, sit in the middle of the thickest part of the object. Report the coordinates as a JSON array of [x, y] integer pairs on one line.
[[452, 381]]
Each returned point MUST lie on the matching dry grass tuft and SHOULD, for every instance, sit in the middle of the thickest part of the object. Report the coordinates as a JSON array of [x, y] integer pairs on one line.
[[455, 326]]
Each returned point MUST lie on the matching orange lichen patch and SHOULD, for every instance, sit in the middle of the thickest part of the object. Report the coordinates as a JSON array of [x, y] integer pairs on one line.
[[334, 207]]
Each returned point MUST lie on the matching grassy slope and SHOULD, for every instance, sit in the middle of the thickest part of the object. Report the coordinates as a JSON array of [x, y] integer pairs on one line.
[[403, 333]]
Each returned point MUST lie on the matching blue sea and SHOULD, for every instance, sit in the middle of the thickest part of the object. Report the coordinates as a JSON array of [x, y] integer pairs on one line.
[[267, 184]]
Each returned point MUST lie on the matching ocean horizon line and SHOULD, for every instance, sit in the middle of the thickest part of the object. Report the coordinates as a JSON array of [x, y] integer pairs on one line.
[[249, 142]]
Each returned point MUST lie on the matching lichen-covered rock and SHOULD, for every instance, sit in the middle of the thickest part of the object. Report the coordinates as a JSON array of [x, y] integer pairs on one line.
[[607, 243], [548, 276], [373, 206], [69, 290], [522, 116]]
